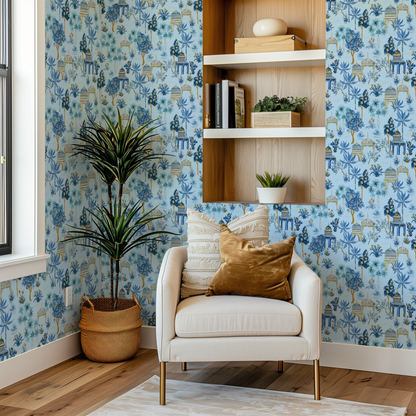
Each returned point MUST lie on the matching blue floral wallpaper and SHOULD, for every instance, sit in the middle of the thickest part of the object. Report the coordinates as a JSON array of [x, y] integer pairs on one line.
[[138, 56], [146, 56], [362, 243]]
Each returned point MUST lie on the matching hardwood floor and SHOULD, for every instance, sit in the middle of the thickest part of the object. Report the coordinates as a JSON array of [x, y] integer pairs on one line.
[[79, 386]]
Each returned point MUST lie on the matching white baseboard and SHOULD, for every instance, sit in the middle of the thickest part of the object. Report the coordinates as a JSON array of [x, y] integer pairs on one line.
[[353, 357], [148, 337], [374, 359], [39, 359]]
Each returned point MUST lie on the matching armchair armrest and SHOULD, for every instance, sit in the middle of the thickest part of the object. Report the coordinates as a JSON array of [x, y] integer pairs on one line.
[[306, 289], [167, 298]]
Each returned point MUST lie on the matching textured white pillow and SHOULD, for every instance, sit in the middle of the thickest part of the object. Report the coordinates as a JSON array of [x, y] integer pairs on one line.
[[204, 258]]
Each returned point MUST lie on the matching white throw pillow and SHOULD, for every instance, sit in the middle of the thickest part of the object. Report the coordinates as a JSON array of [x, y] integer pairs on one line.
[[204, 258]]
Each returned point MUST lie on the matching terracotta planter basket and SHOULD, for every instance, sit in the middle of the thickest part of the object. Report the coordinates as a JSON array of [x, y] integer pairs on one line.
[[109, 335]]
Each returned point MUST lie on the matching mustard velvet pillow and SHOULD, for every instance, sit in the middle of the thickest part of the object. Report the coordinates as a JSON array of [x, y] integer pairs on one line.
[[252, 271]]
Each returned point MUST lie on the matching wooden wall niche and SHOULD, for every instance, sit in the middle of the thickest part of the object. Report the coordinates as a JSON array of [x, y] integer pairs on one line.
[[230, 164]]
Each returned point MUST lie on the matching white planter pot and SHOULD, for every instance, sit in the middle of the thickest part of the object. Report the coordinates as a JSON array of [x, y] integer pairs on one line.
[[271, 195]]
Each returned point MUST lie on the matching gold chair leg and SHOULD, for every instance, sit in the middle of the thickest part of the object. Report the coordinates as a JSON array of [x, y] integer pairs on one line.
[[317, 380], [162, 389], [184, 367], [280, 367]]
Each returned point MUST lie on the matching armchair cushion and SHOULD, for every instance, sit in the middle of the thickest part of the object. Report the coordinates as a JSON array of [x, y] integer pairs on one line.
[[252, 271], [233, 316], [204, 258]]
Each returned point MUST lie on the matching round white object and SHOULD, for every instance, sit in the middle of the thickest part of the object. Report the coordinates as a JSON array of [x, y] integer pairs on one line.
[[270, 27]]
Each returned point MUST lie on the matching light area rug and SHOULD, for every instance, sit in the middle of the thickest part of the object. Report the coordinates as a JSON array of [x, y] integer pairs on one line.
[[185, 398]]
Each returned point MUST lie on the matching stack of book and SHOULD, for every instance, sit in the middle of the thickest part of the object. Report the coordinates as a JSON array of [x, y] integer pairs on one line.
[[224, 105]]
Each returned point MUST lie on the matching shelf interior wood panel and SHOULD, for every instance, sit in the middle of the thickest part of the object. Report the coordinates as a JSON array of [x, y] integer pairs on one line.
[[230, 168], [214, 27], [213, 39], [295, 82], [230, 164], [218, 170], [304, 18], [318, 171]]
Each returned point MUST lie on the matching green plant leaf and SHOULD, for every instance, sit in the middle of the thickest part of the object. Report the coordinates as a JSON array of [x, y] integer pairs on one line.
[[115, 152], [280, 104], [272, 181]]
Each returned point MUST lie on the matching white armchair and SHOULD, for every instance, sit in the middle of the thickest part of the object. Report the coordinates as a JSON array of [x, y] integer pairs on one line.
[[236, 328]]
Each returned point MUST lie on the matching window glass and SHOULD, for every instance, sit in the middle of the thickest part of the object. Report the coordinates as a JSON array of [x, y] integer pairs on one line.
[[5, 128]]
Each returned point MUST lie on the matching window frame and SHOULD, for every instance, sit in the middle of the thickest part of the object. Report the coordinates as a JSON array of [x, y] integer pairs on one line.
[[6, 72], [28, 142]]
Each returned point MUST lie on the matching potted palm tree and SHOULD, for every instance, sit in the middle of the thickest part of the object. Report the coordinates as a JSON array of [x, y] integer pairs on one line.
[[110, 327], [272, 190]]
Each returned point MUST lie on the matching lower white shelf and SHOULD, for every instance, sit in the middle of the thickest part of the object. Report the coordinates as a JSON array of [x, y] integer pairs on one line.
[[265, 133], [256, 202]]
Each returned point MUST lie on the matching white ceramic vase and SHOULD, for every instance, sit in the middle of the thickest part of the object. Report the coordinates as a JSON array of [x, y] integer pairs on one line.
[[270, 27], [271, 195]]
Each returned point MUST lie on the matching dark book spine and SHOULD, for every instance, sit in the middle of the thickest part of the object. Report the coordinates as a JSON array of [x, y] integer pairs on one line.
[[231, 108], [218, 106]]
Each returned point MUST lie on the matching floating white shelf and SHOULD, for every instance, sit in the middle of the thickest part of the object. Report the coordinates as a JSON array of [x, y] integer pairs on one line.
[[264, 133], [287, 59], [256, 201]]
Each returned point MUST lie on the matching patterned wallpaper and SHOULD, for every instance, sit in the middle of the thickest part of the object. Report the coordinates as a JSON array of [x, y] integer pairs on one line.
[[146, 56], [362, 242], [142, 56]]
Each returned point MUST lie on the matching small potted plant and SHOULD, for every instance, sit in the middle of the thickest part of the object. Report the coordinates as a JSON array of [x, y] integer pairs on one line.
[[278, 112], [272, 191]]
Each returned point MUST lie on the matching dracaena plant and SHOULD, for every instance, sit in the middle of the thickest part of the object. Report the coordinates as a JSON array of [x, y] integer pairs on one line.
[[116, 151], [272, 181]]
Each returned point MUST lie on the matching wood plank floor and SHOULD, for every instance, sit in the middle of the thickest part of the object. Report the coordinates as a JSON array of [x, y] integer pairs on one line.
[[79, 386]]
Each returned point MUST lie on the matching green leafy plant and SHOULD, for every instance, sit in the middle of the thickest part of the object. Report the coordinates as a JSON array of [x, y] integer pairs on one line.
[[280, 104], [116, 152], [272, 181]]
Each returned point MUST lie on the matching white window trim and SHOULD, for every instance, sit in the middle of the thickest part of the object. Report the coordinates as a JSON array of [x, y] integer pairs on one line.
[[28, 127]]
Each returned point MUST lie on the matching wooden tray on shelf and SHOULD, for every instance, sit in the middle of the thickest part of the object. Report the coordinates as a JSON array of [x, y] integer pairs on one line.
[[269, 44]]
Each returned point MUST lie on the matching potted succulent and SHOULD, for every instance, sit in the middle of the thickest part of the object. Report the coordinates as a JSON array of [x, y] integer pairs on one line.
[[110, 327], [272, 191], [278, 112]]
